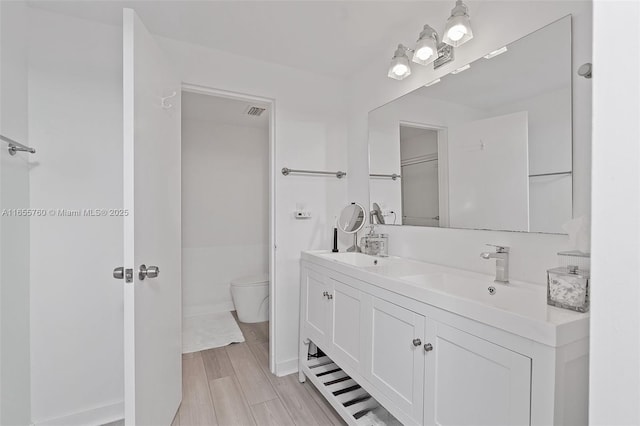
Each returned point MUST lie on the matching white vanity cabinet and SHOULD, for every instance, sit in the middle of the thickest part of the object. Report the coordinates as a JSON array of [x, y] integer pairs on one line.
[[428, 365]]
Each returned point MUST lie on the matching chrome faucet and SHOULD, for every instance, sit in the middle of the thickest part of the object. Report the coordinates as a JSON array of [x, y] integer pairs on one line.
[[501, 256]]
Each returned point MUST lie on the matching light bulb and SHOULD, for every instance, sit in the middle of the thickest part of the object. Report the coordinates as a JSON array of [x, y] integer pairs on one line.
[[457, 32], [458, 29], [426, 46], [424, 53], [399, 69]]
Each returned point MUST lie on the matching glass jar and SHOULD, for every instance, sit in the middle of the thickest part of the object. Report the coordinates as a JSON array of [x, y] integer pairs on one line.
[[375, 244], [568, 288]]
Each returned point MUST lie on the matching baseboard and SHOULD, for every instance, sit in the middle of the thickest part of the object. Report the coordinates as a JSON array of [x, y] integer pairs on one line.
[[190, 311], [287, 367], [95, 416]]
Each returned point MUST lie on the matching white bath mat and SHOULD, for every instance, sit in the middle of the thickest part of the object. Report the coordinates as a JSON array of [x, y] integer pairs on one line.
[[208, 331]]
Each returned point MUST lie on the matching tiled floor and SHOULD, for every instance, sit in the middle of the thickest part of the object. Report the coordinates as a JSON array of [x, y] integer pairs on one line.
[[232, 386]]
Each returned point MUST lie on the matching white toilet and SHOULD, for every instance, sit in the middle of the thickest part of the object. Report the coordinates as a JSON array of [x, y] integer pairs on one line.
[[251, 297]]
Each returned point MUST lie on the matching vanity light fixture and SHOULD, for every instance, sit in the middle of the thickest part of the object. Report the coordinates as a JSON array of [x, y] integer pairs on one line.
[[462, 68], [458, 28], [426, 50], [495, 53], [431, 83], [399, 68], [429, 49]]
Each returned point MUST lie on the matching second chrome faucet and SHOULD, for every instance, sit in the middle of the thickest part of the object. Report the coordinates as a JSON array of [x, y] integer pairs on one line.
[[501, 255]]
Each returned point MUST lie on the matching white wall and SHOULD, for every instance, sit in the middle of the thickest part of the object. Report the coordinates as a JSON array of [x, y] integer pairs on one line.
[[14, 231], [75, 111], [76, 123], [489, 186], [495, 24], [225, 205], [615, 301]]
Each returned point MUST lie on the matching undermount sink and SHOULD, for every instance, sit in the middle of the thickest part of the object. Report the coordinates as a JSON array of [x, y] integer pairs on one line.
[[357, 259]]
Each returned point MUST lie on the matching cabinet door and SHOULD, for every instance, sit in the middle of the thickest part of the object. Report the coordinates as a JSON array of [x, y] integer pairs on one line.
[[470, 381], [316, 311], [397, 356], [346, 325]]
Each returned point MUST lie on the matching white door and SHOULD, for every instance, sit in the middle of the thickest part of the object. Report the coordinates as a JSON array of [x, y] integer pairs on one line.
[[470, 381], [152, 306], [397, 359]]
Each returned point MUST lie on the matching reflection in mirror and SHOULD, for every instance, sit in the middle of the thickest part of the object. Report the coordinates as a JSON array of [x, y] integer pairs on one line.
[[352, 220], [486, 148]]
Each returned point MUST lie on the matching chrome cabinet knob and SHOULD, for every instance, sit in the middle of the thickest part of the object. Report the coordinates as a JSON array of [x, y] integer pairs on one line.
[[325, 294], [329, 296], [151, 272], [417, 342], [118, 273], [428, 347]]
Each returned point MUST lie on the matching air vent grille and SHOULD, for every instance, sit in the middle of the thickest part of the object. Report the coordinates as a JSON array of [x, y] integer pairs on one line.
[[255, 111]]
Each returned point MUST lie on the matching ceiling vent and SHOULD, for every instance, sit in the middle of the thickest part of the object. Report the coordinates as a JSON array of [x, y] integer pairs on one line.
[[255, 111]]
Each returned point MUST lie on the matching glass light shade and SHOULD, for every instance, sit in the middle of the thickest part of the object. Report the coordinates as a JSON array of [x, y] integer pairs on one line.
[[458, 29], [426, 50], [399, 68]]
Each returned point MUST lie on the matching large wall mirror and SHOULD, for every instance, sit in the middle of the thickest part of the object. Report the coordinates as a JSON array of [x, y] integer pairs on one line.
[[489, 147]]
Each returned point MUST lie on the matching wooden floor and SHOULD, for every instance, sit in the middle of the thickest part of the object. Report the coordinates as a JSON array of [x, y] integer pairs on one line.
[[232, 386]]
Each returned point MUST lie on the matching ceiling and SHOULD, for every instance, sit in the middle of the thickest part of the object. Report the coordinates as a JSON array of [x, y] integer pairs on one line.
[[335, 38], [221, 110]]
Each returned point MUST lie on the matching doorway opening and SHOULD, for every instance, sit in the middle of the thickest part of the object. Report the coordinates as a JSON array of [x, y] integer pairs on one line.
[[423, 154], [227, 220]]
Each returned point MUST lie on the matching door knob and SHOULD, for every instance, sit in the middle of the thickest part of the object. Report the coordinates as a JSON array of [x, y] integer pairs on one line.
[[428, 347], [150, 271], [118, 273], [417, 342]]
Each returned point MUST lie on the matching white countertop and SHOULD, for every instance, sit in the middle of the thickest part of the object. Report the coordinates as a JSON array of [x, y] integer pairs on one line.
[[517, 307]]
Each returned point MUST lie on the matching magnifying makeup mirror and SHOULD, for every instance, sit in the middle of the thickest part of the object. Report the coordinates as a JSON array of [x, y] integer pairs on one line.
[[352, 220]]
